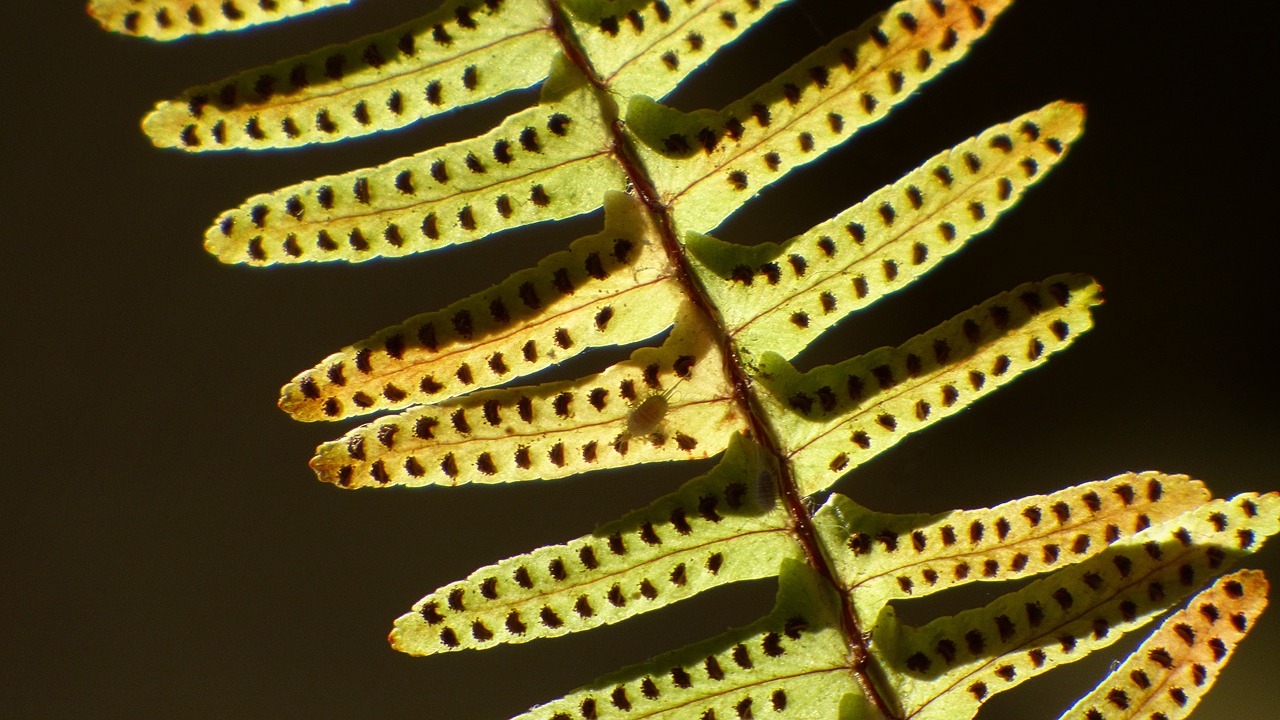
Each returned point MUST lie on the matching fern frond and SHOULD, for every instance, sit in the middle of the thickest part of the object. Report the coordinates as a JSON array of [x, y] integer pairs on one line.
[[710, 532], [175, 19], [455, 56], [835, 418], [880, 557], [546, 163], [1121, 551], [949, 667], [791, 665], [551, 430], [708, 164], [1171, 671], [783, 297], [649, 48], [600, 292]]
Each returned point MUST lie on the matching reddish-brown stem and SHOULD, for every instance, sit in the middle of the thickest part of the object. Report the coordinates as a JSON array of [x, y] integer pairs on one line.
[[862, 662]]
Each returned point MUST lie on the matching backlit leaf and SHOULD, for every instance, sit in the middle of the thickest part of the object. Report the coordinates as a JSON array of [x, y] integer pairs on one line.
[[1120, 551], [881, 557], [1172, 670], [783, 297], [837, 417], [949, 667], [546, 163], [713, 530], [455, 56], [707, 164], [551, 430], [174, 19], [602, 291], [649, 48], [790, 665]]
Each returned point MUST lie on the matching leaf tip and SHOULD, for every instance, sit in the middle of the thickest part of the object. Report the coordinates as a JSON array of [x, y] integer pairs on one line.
[[169, 125], [91, 9], [219, 243], [294, 401], [323, 466]]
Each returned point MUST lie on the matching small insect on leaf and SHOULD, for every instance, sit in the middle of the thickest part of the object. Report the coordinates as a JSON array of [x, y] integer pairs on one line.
[[646, 418], [766, 488]]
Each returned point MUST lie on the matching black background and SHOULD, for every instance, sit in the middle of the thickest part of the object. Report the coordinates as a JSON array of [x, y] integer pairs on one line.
[[167, 552]]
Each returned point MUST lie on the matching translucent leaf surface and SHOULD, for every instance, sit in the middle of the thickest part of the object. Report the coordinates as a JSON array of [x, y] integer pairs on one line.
[[174, 19], [455, 56], [607, 289], [836, 417], [1120, 551], [708, 164], [648, 48], [881, 557], [545, 163], [783, 297], [712, 531], [949, 667], [1168, 674], [791, 664], [550, 430]]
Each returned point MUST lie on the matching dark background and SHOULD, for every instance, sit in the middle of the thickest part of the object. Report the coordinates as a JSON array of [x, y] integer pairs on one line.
[[167, 552]]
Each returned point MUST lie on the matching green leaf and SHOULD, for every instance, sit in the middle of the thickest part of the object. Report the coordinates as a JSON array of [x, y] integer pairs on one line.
[[708, 164], [712, 531], [880, 557], [551, 430], [1120, 551], [176, 19], [455, 56], [649, 48], [783, 297], [836, 417], [791, 664], [546, 163], [603, 291], [949, 667]]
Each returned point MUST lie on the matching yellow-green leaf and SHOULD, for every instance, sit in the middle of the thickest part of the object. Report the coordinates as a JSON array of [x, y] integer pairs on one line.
[[949, 667], [836, 417], [781, 298], [607, 289], [546, 163], [712, 531], [551, 430], [1170, 672], [880, 557], [792, 665], [708, 164], [649, 48], [174, 19], [455, 56]]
